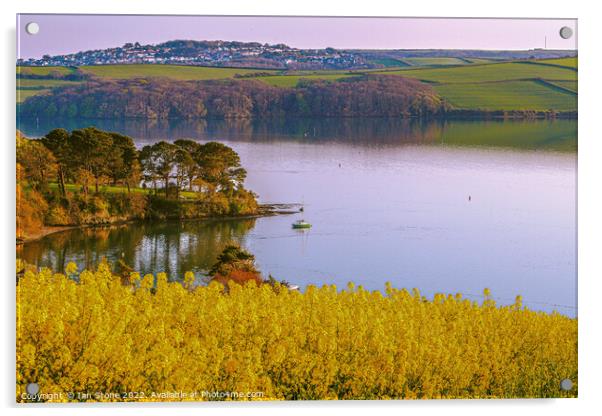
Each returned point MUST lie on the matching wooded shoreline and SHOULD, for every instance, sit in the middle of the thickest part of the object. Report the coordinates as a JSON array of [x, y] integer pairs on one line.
[[265, 210]]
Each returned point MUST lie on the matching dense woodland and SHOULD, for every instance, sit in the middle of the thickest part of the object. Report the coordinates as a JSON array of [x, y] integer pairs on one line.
[[362, 96], [89, 176]]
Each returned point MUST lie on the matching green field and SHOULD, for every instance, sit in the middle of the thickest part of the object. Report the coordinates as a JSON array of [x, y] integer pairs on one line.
[[390, 62], [488, 72], [568, 62], [322, 72], [569, 85], [43, 83], [434, 61], [503, 86], [178, 72], [293, 80], [483, 60], [22, 95], [511, 95], [43, 70], [29, 87]]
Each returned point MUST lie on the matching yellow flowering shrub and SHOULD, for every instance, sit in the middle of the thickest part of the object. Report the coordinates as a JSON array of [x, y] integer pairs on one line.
[[87, 334]]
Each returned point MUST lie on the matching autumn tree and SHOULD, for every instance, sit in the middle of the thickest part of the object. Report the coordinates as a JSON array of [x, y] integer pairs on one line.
[[34, 166], [37, 164], [235, 264]]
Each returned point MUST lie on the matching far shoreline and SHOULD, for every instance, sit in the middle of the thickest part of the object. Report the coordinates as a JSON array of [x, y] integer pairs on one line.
[[455, 114]]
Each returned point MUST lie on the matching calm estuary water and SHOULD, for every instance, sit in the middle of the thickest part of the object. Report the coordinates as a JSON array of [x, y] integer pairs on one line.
[[443, 207]]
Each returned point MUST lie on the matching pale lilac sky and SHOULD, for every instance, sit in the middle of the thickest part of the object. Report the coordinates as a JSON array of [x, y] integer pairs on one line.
[[61, 34]]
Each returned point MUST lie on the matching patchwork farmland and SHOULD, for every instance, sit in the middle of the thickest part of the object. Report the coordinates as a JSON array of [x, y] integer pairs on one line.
[[467, 84]]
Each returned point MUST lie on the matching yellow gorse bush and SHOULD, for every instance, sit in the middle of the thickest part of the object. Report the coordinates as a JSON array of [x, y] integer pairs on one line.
[[89, 334]]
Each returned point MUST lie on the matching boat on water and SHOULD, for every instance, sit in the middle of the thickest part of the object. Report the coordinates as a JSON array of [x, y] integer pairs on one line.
[[301, 224]]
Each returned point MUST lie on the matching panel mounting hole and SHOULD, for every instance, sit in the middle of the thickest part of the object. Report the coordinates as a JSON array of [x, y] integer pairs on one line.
[[32, 28], [566, 32], [566, 384]]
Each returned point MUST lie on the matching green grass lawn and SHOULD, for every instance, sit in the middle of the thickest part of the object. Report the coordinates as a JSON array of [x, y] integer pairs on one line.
[[177, 72], [511, 95], [71, 187]]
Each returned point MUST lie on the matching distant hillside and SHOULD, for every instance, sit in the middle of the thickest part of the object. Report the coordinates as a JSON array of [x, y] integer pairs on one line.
[[210, 53], [521, 86], [279, 56]]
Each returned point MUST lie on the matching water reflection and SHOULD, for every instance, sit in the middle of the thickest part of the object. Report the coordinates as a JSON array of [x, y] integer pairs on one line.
[[525, 134], [173, 247]]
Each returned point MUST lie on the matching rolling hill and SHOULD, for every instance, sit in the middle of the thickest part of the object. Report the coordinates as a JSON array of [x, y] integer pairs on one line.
[[465, 83]]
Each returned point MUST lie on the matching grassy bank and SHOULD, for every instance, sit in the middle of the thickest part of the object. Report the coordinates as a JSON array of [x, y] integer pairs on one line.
[[118, 189], [151, 336]]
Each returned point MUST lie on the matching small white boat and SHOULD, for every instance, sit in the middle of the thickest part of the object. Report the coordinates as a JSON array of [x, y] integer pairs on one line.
[[301, 224]]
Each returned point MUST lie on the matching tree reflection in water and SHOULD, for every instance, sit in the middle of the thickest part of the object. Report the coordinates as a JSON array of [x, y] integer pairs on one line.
[[171, 247]]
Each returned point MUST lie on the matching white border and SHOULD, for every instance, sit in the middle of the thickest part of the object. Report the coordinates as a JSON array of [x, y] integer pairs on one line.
[[589, 209]]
